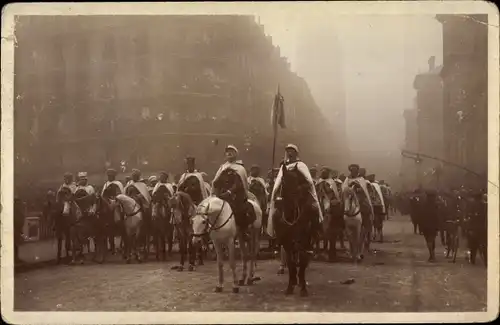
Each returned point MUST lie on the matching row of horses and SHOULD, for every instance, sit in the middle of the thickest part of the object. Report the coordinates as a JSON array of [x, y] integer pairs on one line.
[[213, 221]]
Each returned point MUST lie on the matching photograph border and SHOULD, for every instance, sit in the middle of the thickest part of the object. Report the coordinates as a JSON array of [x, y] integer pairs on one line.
[[288, 11]]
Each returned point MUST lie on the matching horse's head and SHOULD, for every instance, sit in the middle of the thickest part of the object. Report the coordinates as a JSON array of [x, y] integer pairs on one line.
[[351, 201], [64, 196], [256, 187], [160, 202], [109, 207], [294, 184], [229, 178], [182, 206], [206, 216]]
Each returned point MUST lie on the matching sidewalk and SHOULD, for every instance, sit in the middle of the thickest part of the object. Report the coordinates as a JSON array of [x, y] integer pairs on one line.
[[39, 251]]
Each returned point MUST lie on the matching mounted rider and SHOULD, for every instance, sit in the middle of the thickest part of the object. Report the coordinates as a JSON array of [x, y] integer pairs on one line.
[[192, 183], [138, 190], [376, 196], [86, 193], [235, 193], [152, 181], [314, 172], [338, 182], [356, 177], [68, 183], [255, 176], [111, 173], [292, 161], [163, 182], [208, 187]]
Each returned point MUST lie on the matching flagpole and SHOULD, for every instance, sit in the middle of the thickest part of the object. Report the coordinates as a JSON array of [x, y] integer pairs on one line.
[[275, 125]]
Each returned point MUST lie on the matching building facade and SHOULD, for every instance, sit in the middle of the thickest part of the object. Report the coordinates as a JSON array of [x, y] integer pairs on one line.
[[429, 122], [94, 92], [465, 94]]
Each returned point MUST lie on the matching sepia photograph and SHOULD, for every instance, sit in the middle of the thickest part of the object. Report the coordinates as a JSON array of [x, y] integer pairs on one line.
[[298, 162]]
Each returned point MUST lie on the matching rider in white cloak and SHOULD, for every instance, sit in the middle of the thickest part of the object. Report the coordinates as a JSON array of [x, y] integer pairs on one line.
[[355, 177], [136, 184], [208, 187], [378, 200], [255, 175], [89, 189], [68, 183], [197, 194], [236, 196], [291, 160], [163, 182], [112, 180]]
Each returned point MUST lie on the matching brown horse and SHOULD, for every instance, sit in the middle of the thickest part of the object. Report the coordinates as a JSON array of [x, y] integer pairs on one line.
[[183, 212], [79, 221], [333, 222], [60, 222], [294, 226], [161, 217], [110, 222]]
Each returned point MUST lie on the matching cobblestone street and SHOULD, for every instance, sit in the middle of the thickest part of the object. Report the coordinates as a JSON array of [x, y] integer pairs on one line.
[[396, 277]]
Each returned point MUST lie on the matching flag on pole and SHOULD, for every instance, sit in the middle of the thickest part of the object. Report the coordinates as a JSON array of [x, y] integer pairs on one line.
[[278, 111]]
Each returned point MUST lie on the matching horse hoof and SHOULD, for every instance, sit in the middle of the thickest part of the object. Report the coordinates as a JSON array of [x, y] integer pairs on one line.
[[128, 261], [250, 282], [218, 289], [180, 268], [82, 262], [200, 263], [241, 282], [236, 289], [289, 291], [191, 268], [281, 271], [304, 293]]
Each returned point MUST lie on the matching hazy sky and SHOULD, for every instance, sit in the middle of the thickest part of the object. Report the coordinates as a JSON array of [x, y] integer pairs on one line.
[[376, 57]]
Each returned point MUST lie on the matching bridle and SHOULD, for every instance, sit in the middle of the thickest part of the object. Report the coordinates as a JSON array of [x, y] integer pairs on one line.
[[211, 226], [296, 208], [353, 200]]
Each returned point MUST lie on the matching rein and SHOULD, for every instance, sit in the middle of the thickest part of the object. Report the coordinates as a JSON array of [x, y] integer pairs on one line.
[[356, 212], [211, 227], [133, 213]]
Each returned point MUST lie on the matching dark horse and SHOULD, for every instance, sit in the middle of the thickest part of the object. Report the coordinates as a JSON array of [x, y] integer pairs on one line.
[[183, 210], [333, 223], [161, 216], [109, 223], [61, 224], [258, 189], [294, 226]]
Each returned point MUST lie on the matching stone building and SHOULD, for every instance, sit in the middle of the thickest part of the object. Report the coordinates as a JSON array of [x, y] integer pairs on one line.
[[429, 133], [93, 91], [465, 94]]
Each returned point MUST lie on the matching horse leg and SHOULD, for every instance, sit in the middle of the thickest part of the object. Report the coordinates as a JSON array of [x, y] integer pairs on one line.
[[220, 266], [67, 239], [244, 259], [254, 252], [332, 252], [303, 262], [292, 271], [283, 257], [191, 252], [59, 246], [182, 249], [232, 264]]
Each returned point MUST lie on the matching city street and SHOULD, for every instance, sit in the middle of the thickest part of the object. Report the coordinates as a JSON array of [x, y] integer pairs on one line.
[[395, 278]]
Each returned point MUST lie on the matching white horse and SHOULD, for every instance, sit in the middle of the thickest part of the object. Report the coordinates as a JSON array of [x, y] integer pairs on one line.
[[353, 222], [133, 221], [215, 217]]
